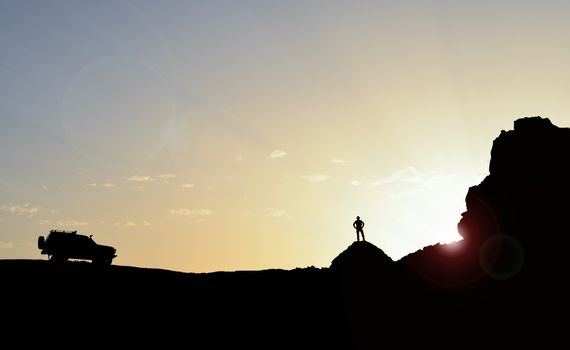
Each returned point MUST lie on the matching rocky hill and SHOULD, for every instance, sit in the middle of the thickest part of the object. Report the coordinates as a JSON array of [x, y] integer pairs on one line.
[[503, 286]]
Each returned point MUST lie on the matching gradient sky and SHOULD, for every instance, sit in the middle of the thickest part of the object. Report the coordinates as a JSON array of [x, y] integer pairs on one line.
[[240, 135]]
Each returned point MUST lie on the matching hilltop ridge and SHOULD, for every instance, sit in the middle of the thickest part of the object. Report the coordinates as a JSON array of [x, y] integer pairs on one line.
[[503, 285]]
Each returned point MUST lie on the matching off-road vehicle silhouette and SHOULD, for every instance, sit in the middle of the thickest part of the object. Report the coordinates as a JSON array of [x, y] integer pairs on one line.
[[63, 245]]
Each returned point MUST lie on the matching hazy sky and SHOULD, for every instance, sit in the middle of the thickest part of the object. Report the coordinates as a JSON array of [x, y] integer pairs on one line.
[[230, 135]]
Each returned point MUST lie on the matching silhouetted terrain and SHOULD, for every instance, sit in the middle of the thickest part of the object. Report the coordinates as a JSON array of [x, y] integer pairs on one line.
[[141, 306], [503, 286]]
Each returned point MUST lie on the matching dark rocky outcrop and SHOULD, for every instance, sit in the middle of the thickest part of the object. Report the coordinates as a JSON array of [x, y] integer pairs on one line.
[[524, 202], [504, 282], [516, 228], [515, 221]]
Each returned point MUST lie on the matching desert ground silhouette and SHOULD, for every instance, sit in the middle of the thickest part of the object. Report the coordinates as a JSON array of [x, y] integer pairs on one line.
[[504, 285]]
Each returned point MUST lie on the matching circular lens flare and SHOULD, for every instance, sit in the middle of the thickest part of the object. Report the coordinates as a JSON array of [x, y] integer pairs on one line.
[[501, 257]]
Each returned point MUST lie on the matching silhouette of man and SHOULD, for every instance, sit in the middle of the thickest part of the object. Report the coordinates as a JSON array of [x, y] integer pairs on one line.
[[359, 225]]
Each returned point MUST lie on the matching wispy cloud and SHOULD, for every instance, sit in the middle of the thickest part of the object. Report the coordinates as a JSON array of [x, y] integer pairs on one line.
[[167, 176], [20, 210], [103, 185], [339, 161], [6, 245], [64, 223], [278, 153], [316, 177], [278, 213], [191, 212], [407, 175], [140, 178], [355, 183], [409, 182], [131, 223], [187, 186]]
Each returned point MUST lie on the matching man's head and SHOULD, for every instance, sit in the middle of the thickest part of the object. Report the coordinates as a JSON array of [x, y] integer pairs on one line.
[[358, 218]]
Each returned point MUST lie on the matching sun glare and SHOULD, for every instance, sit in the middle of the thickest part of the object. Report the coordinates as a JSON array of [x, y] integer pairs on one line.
[[426, 215]]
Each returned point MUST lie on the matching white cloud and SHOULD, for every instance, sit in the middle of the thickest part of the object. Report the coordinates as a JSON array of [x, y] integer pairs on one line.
[[240, 158], [355, 183], [26, 209], [64, 223], [407, 175], [167, 176], [6, 245], [410, 175], [191, 212], [130, 223], [410, 182], [103, 185], [278, 213], [316, 177], [146, 224], [187, 186], [140, 178], [339, 161], [73, 223], [278, 153]]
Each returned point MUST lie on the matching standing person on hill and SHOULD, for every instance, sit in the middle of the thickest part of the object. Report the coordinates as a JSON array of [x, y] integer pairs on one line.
[[359, 225]]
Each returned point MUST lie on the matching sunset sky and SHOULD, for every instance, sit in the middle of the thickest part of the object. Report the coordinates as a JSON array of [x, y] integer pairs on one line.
[[241, 135]]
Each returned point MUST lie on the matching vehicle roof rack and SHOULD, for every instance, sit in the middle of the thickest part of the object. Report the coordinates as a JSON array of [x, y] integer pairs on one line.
[[63, 231]]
